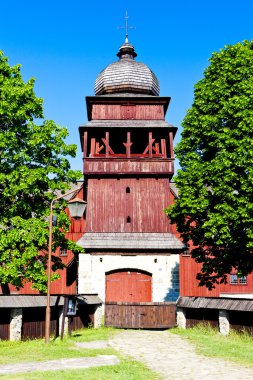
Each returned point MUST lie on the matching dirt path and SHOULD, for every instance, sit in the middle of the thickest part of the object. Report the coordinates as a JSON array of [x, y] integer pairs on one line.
[[175, 358]]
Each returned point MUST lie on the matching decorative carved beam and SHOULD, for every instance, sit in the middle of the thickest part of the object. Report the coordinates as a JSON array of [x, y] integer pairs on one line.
[[128, 145], [108, 149], [99, 148]]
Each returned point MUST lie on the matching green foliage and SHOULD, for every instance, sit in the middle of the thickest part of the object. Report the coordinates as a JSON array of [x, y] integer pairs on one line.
[[33, 169], [215, 205]]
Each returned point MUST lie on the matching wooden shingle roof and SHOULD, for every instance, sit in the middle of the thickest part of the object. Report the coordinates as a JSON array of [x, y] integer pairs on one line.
[[128, 240]]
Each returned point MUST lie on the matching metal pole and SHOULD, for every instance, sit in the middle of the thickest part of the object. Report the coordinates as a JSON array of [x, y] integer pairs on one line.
[[49, 262]]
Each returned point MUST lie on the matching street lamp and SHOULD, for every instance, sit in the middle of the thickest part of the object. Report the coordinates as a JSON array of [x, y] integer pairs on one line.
[[76, 208]]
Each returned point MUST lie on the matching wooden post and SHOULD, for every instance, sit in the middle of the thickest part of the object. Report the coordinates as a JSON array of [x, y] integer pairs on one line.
[[171, 145], [85, 142], [92, 147], [163, 148], [150, 144], [128, 145], [107, 144]]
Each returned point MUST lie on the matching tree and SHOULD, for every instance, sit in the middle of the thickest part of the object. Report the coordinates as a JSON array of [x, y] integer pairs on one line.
[[33, 169], [215, 205]]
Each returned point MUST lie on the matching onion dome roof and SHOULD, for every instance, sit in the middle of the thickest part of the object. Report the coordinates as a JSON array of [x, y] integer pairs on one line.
[[126, 75]]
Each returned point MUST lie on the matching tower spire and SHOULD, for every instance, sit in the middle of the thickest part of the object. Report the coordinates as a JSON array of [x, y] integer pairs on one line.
[[126, 27]]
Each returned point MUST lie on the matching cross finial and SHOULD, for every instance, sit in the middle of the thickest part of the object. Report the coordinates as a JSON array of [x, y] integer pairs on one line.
[[127, 27]]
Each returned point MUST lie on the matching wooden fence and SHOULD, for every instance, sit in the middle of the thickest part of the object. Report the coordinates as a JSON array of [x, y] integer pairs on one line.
[[143, 315]]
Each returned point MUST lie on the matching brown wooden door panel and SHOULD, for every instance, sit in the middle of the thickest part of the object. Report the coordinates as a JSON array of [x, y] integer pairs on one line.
[[5, 324], [128, 286]]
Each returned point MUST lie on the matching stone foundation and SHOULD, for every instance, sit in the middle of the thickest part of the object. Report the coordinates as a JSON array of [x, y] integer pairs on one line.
[[224, 326], [181, 318], [61, 316], [98, 316], [16, 324]]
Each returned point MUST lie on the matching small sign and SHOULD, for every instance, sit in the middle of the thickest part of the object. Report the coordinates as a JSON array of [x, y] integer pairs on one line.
[[71, 310]]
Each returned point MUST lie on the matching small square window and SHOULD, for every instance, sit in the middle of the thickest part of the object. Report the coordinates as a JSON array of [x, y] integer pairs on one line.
[[187, 250], [63, 252], [235, 279]]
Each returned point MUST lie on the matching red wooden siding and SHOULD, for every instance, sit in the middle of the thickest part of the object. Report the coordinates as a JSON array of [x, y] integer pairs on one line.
[[123, 112], [33, 322], [108, 205], [189, 285], [128, 286], [136, 166]]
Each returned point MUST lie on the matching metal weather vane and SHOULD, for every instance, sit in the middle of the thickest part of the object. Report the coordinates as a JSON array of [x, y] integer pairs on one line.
[[127, 27]]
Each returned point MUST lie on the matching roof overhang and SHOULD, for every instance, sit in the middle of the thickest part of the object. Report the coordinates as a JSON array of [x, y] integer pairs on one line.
[[216, 303], [16, 301], [131, 241]]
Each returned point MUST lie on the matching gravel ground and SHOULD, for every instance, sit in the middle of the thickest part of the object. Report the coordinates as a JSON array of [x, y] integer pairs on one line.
[[174, 357]]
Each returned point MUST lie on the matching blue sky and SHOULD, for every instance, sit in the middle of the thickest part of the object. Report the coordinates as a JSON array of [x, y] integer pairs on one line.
[[65, 44]]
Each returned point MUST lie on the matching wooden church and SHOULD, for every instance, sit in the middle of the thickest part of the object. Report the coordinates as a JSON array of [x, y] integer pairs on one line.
[[131, 250]]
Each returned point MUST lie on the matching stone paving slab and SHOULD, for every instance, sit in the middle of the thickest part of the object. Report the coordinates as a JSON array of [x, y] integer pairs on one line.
[[175, 358], [59, 364]]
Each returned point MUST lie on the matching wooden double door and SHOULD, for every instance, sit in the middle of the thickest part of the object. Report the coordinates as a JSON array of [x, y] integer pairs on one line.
[[128, 286]]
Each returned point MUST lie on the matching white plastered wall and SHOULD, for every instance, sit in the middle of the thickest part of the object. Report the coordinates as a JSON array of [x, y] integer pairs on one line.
[[164, 270]]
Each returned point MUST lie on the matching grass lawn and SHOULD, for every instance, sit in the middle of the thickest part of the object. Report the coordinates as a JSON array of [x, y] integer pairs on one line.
[[37, 350], [126, 370], [234, 347]]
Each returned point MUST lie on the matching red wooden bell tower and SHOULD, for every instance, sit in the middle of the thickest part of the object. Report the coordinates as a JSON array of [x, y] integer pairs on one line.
[[128, 163]]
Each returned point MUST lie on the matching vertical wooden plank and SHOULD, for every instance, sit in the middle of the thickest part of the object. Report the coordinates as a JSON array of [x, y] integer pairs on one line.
[[107, 144], [171, 145], [157, 148], [5, 324], [150, 143], [163, 147], [85, 142], [92, 147], [128, 148]]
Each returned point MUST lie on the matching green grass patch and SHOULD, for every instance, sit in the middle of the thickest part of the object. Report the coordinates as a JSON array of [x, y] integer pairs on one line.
[[88, 335], [126, 370], [236, 347], [37, 350]]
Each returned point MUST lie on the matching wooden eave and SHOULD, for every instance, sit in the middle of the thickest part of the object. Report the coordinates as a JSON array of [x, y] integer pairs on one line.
[[39, 300], [220, 303], [131, 241]]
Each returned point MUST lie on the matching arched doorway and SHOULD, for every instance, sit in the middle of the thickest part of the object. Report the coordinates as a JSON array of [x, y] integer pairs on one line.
[[128, 285]]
